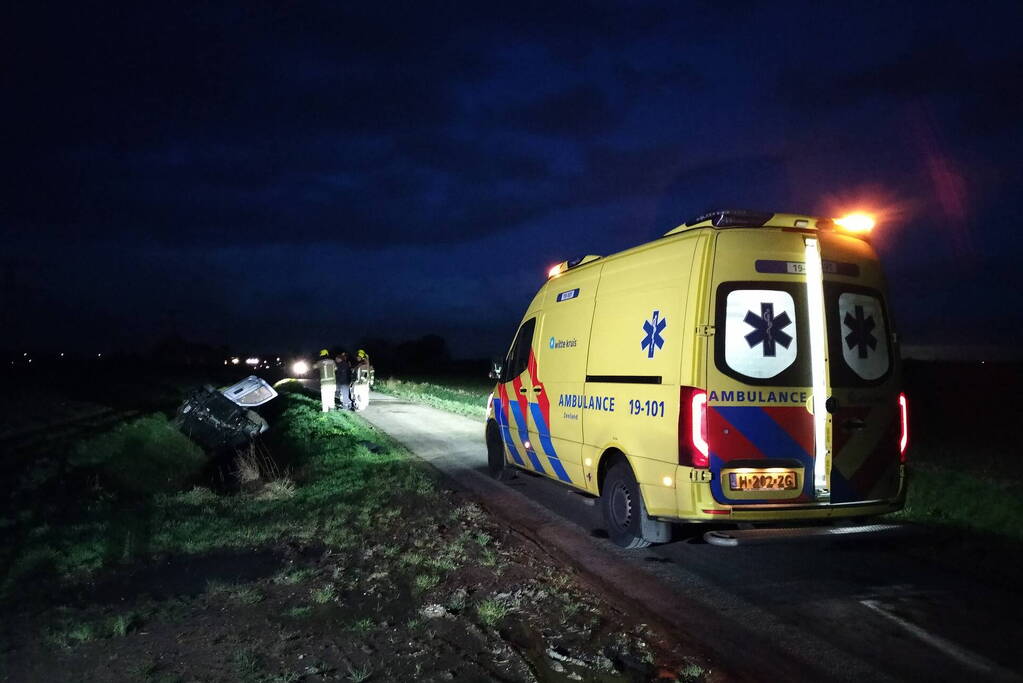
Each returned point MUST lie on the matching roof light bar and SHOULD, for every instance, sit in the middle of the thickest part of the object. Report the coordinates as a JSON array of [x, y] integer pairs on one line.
[[566, 266], [734, 218]]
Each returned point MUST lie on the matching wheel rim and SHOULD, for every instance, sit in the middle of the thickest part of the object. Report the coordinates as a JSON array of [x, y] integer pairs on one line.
[[621, 506]]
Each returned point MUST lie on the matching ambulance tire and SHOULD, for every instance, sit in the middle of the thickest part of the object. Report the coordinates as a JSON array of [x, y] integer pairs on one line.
[[496, 463], [623, 508]]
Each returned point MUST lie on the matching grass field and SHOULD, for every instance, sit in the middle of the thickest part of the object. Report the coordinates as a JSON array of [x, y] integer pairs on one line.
[[338, 546]]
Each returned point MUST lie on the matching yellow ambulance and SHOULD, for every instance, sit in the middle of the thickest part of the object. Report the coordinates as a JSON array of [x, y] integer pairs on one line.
[[741, 368]]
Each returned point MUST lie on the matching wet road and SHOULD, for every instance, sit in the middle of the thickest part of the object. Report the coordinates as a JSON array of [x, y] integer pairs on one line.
[[843, 610]]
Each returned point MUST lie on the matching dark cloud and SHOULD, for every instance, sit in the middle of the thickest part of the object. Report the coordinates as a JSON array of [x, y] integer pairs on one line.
[[581, 111], [939, 67], [393, 145]]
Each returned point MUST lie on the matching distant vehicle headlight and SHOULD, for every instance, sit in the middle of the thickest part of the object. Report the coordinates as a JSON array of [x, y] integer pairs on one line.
[[300, 367]]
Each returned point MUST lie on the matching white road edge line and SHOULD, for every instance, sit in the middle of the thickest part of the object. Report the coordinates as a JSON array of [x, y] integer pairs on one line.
[[961, 655]]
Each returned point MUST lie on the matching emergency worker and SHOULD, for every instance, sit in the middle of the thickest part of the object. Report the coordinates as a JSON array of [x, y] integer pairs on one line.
[[362, 378], [344, 381], [328, 381]]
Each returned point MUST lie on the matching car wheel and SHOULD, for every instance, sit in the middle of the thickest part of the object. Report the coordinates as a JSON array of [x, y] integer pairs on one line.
[[622, 505], [496, 462]]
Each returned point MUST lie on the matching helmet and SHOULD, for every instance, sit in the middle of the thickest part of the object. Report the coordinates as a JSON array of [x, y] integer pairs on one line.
[[324, 352], [362, 354]]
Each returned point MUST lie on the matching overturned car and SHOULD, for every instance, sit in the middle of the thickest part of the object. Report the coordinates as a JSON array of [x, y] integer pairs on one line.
[[223, 418]]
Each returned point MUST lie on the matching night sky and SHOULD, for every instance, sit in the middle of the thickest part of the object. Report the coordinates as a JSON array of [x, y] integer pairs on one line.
[[289, 175]]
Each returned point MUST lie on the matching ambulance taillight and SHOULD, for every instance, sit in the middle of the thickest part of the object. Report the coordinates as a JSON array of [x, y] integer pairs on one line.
[[693, 449], [904, 423]]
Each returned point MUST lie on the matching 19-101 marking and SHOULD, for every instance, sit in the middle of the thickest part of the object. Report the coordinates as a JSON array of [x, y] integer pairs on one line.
[[648, 408]]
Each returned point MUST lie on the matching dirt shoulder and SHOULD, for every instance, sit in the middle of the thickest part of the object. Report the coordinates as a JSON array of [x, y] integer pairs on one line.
[[354, 563]]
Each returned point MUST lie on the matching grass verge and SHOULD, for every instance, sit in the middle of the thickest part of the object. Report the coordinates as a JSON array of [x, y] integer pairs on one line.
[[343, 493], [462, 397], [945, 495]]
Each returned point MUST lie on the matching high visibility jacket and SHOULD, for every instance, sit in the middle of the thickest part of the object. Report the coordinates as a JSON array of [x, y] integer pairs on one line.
[[327, 369], [363, 373]]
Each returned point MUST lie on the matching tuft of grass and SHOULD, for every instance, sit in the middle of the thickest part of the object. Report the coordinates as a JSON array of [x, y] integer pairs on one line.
[[443, 564], [278, 489], [121, 625], [413, 559], [324, 594], [197, 495], [456, 603], [491, 611], [81, 633], [286, 677], [299, 612], [246, 468], [363, 626], [247, 663], [290, 577], [358, 674], [247, 595], [692, 672], [426, 582]]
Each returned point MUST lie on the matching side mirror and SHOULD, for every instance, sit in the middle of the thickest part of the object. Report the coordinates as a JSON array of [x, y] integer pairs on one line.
[[496, 368]]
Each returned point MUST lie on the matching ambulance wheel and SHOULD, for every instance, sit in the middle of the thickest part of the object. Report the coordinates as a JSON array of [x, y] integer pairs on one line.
[[496, 463], [622, 505]]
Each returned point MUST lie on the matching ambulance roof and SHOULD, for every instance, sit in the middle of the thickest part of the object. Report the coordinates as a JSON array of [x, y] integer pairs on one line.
[[730, 218], [744, 218]]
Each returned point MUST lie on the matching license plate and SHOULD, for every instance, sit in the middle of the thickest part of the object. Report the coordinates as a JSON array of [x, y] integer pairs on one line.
[[762, 481]]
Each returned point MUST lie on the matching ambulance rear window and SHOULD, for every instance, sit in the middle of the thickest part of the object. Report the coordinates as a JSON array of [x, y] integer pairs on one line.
[[761, 333], [858, 335]]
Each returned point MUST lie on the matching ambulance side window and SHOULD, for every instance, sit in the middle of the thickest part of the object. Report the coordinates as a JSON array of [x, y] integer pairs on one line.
[[518, 357]]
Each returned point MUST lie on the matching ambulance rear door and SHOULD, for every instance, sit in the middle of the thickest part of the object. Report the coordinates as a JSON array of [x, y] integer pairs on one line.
[[864, 374], [760, 431]]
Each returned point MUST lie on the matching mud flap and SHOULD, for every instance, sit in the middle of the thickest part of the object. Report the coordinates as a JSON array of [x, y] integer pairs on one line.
[[652, 530]]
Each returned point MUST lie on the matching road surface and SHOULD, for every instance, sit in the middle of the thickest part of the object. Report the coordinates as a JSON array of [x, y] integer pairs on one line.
[[850, 610]]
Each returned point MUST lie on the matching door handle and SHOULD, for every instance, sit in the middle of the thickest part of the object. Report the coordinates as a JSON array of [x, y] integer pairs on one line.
[[522, 390], [537, 390], [854, 424]]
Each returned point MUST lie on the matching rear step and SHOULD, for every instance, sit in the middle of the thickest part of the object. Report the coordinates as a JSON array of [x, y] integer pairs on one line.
[[794, 534]]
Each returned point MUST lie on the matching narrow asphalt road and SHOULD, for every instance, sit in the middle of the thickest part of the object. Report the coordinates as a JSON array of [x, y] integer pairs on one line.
[[842, 610]]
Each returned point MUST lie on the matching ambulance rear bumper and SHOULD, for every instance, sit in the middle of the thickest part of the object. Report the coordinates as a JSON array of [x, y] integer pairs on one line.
[[696, 503], [791, 513]]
